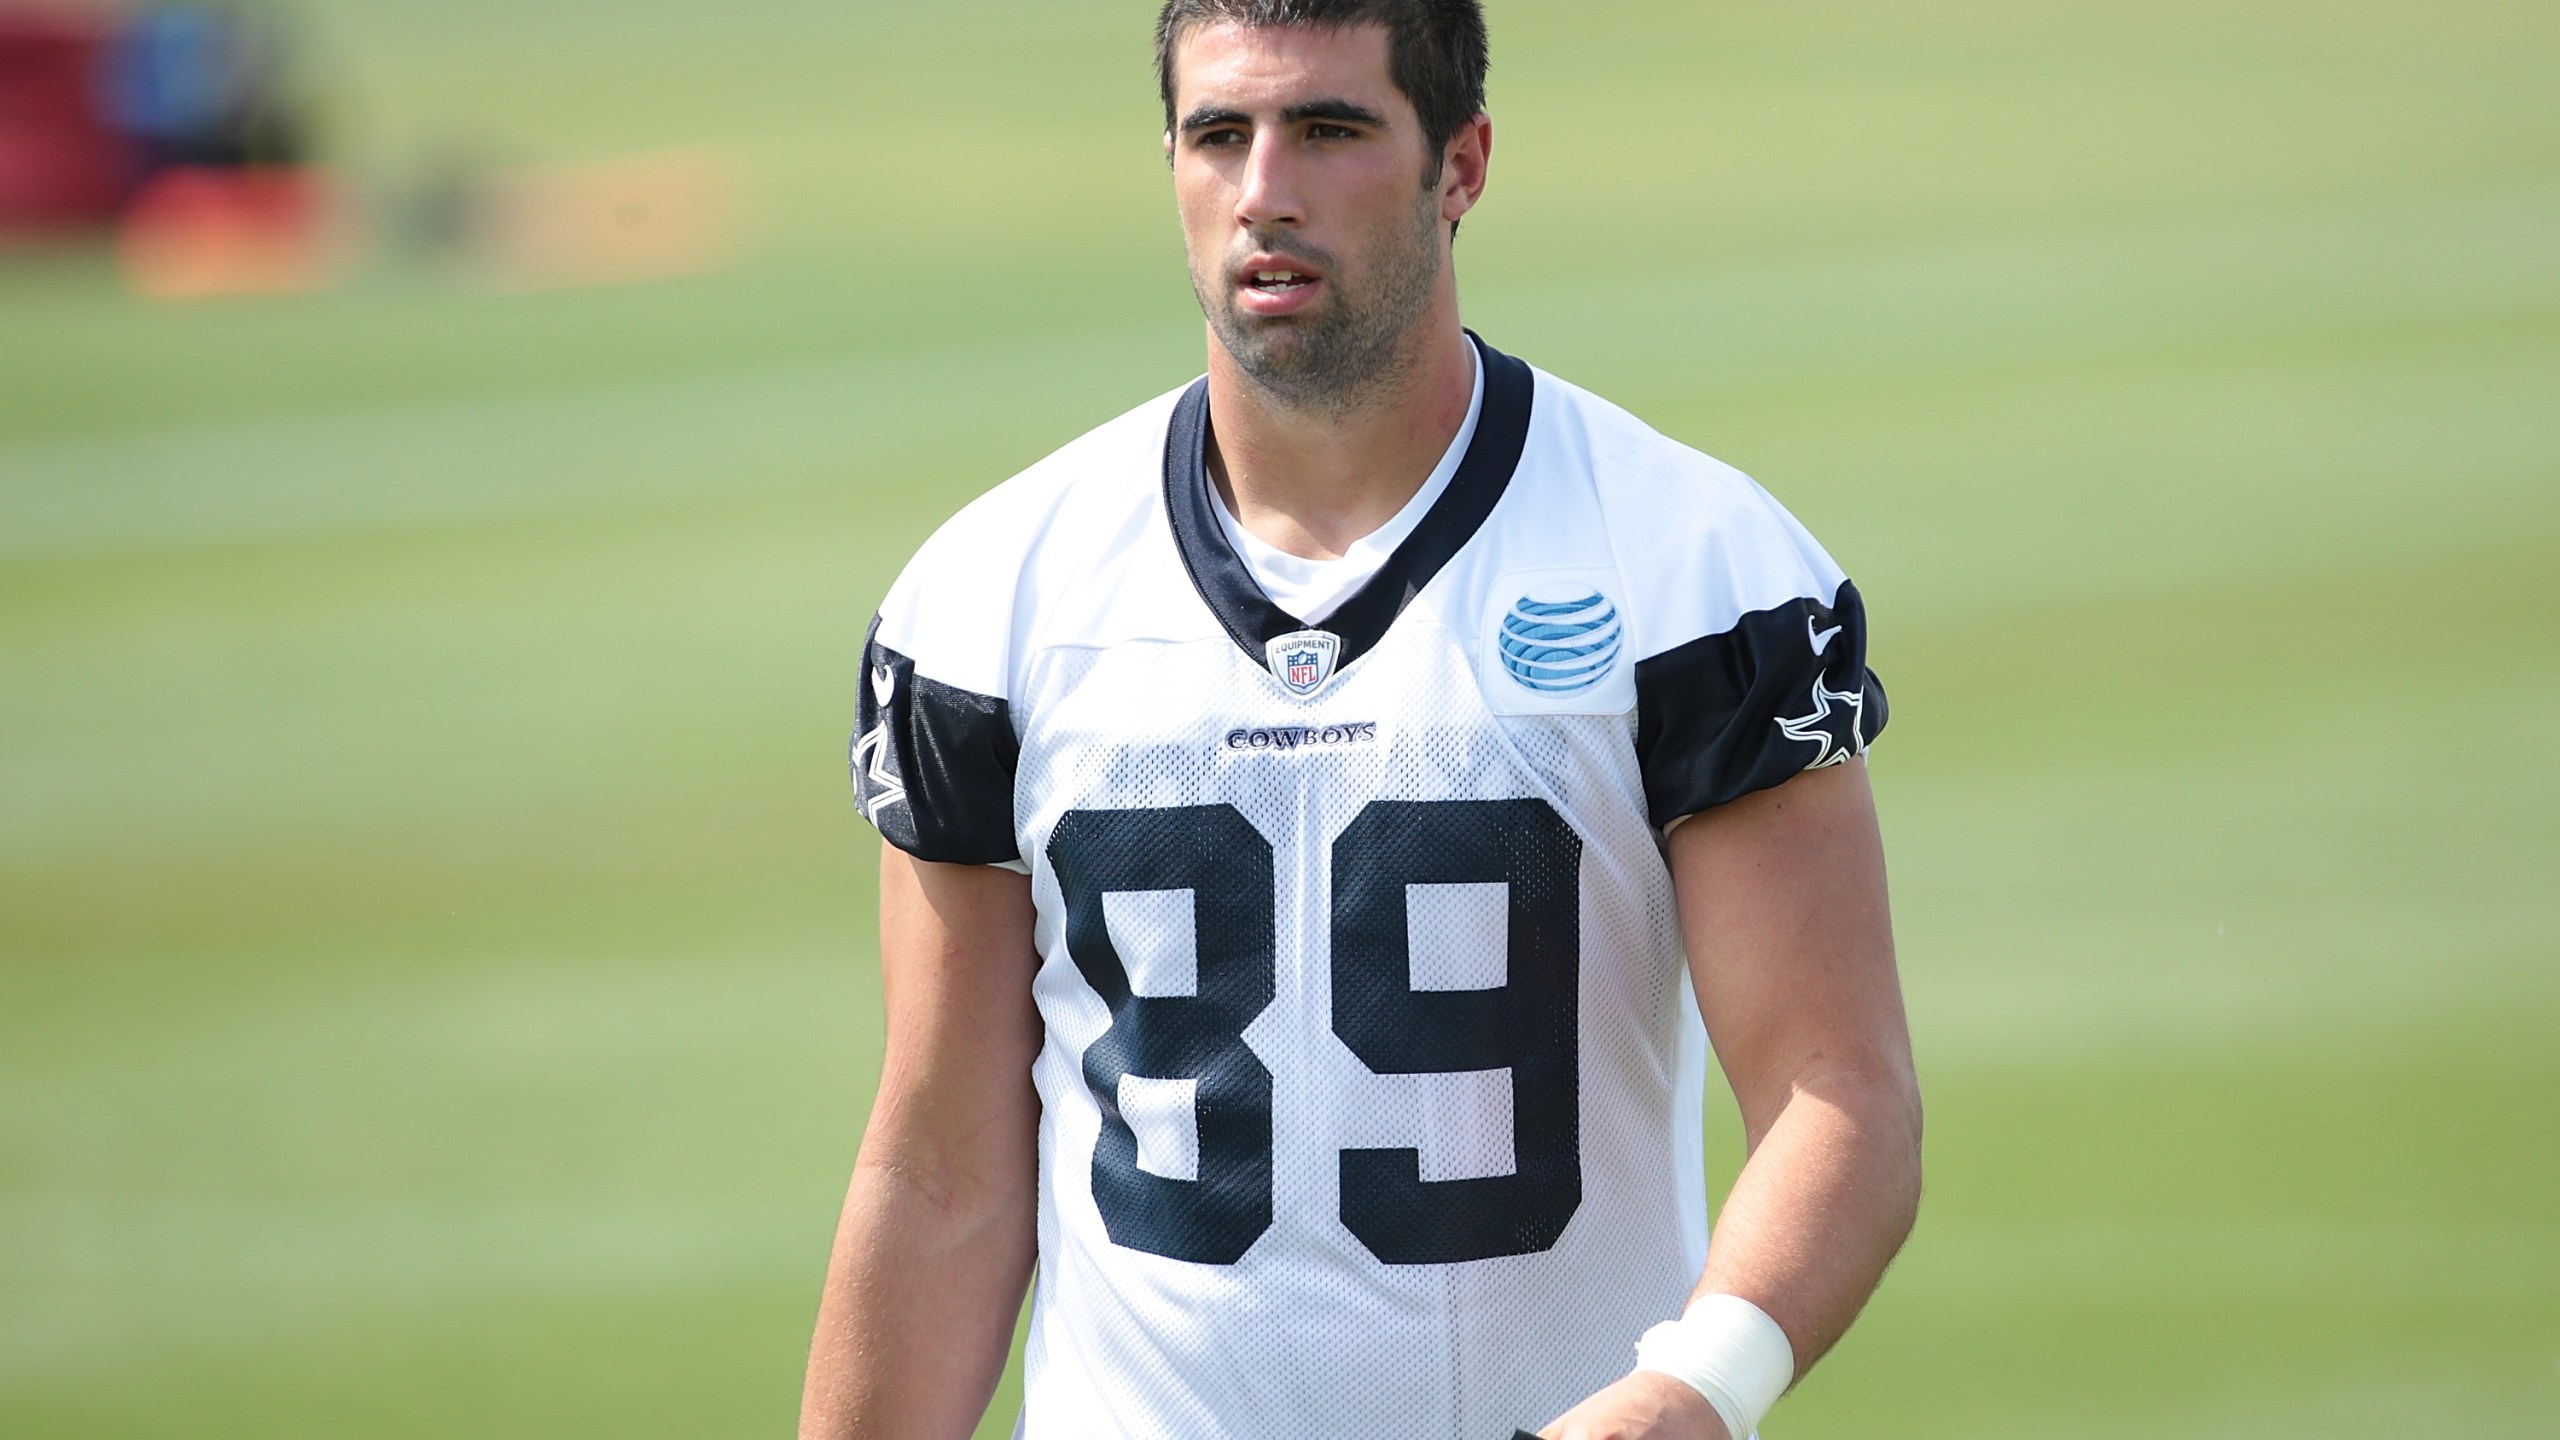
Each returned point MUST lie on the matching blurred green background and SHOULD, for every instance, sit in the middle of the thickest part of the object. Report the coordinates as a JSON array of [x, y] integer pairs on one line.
[[437, 993]]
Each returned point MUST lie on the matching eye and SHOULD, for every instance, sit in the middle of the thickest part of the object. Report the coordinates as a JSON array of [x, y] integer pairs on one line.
[[1214, 139], [1323, 130]]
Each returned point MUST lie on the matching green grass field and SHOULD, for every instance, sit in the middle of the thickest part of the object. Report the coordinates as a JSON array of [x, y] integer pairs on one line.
[[437, 994]]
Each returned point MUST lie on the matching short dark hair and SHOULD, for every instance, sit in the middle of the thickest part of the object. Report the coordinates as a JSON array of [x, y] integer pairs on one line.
[[1436, 50]]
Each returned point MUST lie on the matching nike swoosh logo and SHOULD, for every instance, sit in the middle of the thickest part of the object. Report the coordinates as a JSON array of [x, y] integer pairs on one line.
[[1821, 639], [884, 683]]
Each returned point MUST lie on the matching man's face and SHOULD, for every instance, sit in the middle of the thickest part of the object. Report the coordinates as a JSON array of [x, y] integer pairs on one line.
[[1317, 241]]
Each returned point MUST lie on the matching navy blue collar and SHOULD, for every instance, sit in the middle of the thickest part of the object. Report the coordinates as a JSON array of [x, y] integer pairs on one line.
[[1227, 585]]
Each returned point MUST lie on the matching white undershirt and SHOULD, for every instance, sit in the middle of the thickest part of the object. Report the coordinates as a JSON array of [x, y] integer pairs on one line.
[[1313, 589]]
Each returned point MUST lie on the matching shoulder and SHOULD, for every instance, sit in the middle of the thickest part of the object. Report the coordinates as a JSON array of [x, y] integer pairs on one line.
[[935, 749], [1699, 543], [1701, 549], [1750, 644], [955, 609]]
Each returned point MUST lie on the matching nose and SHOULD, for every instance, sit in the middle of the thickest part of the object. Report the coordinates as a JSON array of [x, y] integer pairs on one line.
[[1268, 192]]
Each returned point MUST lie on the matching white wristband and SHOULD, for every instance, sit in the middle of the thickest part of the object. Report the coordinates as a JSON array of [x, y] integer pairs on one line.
[[1728, 1350]]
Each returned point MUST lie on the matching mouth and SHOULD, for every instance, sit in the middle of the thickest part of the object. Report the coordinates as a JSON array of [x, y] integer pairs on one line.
[[1278, 282], [1274, 285]]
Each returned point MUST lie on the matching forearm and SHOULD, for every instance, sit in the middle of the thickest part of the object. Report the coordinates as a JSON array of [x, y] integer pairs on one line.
[[1824, 1202], [936, 1240], [917, 1318], [1783, 904]]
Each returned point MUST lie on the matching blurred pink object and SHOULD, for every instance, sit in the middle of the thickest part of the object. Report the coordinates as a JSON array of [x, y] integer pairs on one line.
[[63, 166], [193, 233]]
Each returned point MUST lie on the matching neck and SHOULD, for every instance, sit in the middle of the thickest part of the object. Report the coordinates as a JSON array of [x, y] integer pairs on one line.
[[1313, 483]]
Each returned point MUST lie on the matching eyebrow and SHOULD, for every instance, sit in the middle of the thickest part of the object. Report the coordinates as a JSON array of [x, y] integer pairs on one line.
[[1209, 117]]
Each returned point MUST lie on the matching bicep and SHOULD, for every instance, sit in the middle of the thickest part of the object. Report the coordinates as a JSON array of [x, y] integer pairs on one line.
[[1783, 908], [956, 961]]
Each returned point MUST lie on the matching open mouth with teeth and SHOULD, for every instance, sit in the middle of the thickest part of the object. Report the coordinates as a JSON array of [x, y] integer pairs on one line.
[[1277, 281]]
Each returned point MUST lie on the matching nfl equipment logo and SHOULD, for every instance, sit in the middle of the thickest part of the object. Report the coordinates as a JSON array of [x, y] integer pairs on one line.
[[1303, 660]]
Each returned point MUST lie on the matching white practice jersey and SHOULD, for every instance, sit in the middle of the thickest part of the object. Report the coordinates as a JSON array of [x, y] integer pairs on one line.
[[1371, 1083]]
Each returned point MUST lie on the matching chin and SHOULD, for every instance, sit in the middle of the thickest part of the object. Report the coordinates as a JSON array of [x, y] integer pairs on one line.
[[1273, 340]]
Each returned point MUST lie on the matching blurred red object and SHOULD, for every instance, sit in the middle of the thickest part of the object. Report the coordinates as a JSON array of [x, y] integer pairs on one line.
[[259, 230], [63, 167]]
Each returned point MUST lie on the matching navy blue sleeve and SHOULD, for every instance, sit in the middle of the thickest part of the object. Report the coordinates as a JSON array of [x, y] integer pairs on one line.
[[1785, 690], [933, 764]]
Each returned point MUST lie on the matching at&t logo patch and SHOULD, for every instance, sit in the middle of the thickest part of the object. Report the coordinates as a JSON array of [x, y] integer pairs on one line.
[[1560, 639]]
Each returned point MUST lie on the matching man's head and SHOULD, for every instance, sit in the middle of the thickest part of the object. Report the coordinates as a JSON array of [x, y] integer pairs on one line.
[[1436, 51], [1321, 176]]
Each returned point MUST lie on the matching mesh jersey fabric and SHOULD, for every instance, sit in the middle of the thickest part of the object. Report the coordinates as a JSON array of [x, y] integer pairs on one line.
[[1371, 1081]]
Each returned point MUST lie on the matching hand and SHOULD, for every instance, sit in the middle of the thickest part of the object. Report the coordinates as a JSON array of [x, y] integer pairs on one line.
[[1645, 1405]]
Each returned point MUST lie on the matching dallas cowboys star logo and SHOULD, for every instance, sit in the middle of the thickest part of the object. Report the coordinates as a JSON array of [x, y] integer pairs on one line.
[[1836, 724], [877, 786]]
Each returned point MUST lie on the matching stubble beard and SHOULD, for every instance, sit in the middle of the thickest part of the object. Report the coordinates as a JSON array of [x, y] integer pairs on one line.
[[1359, 349]]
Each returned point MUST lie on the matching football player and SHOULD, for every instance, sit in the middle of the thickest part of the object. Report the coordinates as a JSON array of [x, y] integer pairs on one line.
[[1330, 809]]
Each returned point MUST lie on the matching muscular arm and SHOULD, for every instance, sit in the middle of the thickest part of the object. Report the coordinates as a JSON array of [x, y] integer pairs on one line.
[[1782, 904], [1782, 900], [935, 1245]]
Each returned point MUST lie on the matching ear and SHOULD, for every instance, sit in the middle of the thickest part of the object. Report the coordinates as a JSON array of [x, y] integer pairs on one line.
[[1463, 165], [1168, 149]]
